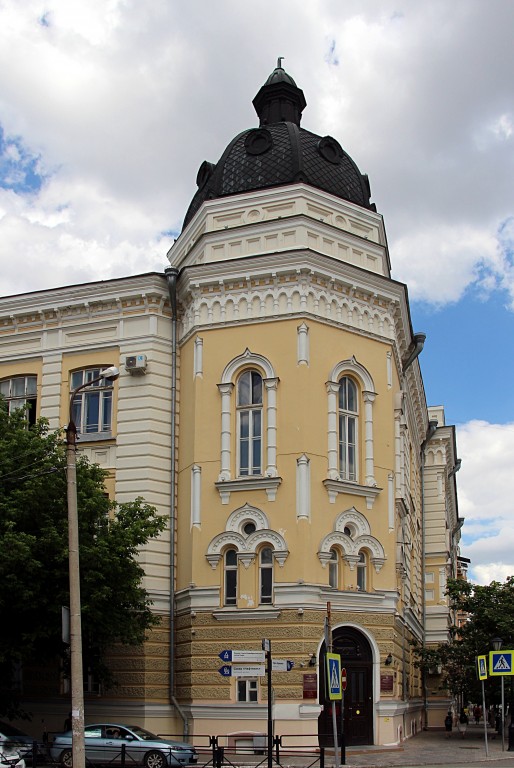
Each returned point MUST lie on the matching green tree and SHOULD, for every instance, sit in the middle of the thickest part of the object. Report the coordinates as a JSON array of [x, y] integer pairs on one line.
[[489, 612], [34, 582]]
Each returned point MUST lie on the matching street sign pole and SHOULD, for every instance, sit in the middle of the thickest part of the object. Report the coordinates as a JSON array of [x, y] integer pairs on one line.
[[266, 646], [482, 675], [328, 636]]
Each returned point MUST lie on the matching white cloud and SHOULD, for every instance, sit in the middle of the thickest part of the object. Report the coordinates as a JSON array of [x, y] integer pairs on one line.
[[485, 498], [129, 98]]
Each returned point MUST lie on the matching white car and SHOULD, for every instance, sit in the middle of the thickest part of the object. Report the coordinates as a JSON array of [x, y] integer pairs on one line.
[[9, 756]]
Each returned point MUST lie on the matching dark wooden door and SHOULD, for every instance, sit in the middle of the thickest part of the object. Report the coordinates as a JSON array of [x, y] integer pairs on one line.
[[358, 706], [357, 721]]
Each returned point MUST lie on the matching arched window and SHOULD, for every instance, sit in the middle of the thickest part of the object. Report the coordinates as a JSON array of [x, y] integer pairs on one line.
[[362, 572], [231, 577], [19, 392], [266, 575], [333, 569], [347, 428], [249, 423]]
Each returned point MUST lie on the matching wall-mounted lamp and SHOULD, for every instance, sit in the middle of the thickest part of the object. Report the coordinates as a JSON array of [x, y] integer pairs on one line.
[[312, 660], [389, 660]]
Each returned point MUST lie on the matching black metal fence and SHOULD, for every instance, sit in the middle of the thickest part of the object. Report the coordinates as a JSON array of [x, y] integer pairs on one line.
[[212, 752]]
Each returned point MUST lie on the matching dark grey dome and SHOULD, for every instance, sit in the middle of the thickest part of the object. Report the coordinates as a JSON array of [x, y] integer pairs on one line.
[[280, 152]]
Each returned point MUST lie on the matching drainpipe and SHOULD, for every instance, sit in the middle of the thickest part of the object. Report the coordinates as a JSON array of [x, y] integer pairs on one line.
[[171, 274], [418, 342], [432, 426]]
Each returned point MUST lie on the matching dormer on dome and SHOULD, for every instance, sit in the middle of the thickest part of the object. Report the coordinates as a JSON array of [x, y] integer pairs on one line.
[[280, 152]]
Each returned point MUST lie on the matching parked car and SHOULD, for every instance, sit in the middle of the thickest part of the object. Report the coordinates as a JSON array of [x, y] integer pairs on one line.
[[10, 755], [14, 742], [104, 741]]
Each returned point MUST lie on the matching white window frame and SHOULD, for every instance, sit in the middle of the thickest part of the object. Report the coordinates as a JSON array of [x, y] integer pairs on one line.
[[265, 568], [362, 572], [333, 569], [247, 690], [232, 568], [255, 413], [15, 400], [104, 390], [226, 388], [348, 468], [334, 483]]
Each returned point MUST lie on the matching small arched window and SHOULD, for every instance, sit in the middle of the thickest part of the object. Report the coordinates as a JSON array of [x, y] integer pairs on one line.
[[362, 572], [266, 575], [249, 423], [231, 577], [348, 417], [333, 569]]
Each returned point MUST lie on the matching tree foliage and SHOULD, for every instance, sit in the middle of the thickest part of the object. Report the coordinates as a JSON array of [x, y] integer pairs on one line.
[[489, 613], [34, 580]]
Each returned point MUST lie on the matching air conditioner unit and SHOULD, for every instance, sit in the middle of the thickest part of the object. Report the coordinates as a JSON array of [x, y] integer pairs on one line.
[[136, 364]]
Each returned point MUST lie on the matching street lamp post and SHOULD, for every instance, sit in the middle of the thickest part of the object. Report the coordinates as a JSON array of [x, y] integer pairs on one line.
[[76, 670], [497, 643]]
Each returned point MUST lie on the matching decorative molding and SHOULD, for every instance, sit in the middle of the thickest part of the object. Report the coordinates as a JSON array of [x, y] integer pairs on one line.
[[335, 487], [268, 484], [350, 546]]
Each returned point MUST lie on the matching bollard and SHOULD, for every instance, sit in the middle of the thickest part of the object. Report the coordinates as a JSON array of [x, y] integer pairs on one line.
[[278, 743], [123, 752], [220, 754], [322, 757], [511, 737]]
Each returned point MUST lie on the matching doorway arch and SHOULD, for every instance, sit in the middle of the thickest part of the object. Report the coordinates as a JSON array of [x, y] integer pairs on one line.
[[355, 716]]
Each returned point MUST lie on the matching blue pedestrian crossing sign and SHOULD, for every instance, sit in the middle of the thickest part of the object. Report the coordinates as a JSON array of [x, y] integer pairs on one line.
[[501, 662], [482, 667], [335, 690]]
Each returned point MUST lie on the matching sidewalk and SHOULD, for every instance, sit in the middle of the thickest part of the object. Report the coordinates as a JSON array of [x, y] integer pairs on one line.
[[434, 748]]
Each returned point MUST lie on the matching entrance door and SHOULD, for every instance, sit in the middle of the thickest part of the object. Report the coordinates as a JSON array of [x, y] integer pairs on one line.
[[358, 710], [356, 657]]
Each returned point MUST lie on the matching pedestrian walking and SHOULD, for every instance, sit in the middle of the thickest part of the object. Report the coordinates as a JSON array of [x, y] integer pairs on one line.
[[448, 724], [463, 722]]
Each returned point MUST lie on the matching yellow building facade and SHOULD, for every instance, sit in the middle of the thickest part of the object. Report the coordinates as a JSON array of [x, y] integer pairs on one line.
[[271, 404]]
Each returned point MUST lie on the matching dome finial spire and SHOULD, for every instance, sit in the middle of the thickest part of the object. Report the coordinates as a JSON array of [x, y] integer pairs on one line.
[[279, 99]]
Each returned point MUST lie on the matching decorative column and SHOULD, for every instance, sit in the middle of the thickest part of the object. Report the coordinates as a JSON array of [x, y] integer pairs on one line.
[[369, 399], [271, 427], [303, 487], [198, 357], [196, 494], [333, 464], [303, 344], [226, 435]]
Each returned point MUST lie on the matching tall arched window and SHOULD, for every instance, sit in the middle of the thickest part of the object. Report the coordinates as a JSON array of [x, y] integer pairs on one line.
[[249, 423], [348, 416], [231, 577], [333, 569], [362, 572], [266, 575]]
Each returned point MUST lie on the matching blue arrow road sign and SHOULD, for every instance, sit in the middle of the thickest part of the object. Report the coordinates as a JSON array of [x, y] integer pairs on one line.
[[225, 671]]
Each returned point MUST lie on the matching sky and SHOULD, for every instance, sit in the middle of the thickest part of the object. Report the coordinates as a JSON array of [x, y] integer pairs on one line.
[[108, 108]]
